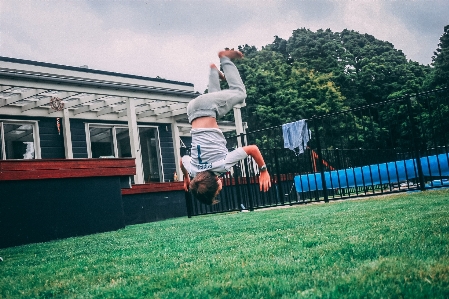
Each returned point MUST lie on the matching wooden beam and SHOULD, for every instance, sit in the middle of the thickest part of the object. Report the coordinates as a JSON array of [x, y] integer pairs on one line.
[[41, 102], [106, 101], [83, 100], [154, 187], [67, 133], [107, 110], [64, 168], [146, 114], [21, 96], [4, 88], [155, 108], [46, 100], [134, 141], [138, 102], [172, 113]]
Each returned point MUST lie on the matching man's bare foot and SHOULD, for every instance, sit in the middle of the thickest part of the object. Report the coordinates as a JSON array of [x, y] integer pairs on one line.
[[231, 54], [220, 74]]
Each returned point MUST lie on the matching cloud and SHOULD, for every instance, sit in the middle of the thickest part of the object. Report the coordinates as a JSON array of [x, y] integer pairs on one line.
[[199, 18], [425, 20], [421, 16], [373, 18], [177, 40], [310, 10]]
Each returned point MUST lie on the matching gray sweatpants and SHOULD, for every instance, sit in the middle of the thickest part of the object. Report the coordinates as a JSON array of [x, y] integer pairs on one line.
[[217, 102]]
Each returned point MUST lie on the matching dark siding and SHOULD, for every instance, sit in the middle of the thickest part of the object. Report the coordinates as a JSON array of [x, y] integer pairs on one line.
[[187, 141], [58, 208], [167, 152], [52, 143], [79, 146], [148, 207]]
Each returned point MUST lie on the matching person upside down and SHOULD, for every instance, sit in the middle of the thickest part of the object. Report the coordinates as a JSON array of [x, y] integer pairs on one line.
[[209, 155]]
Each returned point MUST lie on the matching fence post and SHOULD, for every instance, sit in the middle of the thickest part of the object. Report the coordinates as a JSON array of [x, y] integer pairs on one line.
[[248, 186], [188, 198], [248, 180], [320, 158], [278, 178], [237, 187], [416, 147]]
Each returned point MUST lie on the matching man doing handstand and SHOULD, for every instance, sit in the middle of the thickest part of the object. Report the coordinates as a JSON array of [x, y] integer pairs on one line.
[[209, 155]]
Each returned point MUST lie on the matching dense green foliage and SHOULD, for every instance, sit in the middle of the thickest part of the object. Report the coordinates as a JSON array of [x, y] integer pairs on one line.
[[314, 73], [390, 247], [323, 72], [366, 69], [279, 92]]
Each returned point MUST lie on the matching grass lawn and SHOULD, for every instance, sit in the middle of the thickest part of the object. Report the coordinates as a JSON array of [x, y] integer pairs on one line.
[[383, 247]]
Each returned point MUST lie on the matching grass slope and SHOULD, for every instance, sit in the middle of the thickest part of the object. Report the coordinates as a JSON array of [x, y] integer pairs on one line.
[[391, 247]]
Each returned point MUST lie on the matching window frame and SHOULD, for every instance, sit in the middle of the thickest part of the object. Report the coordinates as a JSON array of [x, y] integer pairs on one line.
[[88, 125], [36, 139], [106, 126], [158, 150]]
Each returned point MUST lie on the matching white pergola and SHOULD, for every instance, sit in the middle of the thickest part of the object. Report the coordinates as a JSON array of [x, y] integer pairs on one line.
[[27, 87]]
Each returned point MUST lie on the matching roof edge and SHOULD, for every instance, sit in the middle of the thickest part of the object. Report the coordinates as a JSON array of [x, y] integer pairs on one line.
[[87, 70]]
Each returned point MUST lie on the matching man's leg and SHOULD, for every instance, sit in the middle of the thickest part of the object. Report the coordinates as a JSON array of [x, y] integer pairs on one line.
[[218, 103], [236, 94], [214, 82], [232, 74]]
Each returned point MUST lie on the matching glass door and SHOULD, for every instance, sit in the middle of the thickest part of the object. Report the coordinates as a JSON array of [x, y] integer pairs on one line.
[[151, 157], [109, 141]]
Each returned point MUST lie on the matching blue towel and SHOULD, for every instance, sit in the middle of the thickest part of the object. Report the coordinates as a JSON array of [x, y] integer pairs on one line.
[[296, 135]]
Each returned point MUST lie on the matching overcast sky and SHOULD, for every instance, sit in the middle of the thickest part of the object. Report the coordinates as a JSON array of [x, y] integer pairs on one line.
[[177, 40]]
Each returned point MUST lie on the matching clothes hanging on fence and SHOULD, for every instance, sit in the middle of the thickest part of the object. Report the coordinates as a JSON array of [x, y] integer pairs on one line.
[[296, 135]]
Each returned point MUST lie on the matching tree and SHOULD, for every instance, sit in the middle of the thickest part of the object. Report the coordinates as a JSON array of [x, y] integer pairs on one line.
[[279, 92], [440, 60], [314, 73], [366, 70]]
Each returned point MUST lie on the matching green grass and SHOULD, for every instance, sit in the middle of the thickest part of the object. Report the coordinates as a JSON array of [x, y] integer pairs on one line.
[[389, 247]]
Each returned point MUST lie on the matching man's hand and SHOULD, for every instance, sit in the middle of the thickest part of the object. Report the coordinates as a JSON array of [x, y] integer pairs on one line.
[[264, 178], [186, 183], [264, 181]]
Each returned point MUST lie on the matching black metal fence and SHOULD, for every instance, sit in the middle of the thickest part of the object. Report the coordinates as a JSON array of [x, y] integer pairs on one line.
[[393, 146]]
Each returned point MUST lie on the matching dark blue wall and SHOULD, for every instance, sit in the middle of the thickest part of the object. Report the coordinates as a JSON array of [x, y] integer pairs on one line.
[[149, 207], [188, 144], [187, 141], [42, 210], [52, 142], [79, 146]]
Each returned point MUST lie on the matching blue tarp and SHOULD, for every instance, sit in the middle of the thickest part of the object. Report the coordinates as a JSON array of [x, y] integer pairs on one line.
[[375, 174]]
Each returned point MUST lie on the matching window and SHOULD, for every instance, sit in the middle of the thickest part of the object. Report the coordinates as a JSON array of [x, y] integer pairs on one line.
[[18, 140], [113, 142], [109, 141]]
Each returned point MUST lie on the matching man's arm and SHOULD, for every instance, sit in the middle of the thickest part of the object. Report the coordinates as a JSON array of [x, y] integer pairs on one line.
[[186, 177], [264, 179]]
